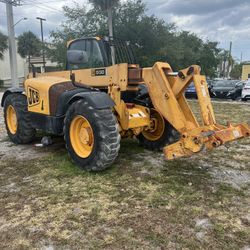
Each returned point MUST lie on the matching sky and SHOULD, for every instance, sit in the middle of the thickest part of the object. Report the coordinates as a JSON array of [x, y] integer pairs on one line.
[[216, 20]]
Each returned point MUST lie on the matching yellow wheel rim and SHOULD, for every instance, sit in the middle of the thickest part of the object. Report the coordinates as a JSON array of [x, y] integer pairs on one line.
[[11, 118], [81, 136], [157, 127]]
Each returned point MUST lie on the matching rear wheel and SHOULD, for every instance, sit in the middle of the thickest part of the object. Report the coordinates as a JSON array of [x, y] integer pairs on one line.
[[91, 135], [17, 119], [159, 135]]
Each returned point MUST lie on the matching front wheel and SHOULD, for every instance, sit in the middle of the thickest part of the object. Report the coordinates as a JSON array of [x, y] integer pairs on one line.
[[91, 135], [17, 119], [159, 135]]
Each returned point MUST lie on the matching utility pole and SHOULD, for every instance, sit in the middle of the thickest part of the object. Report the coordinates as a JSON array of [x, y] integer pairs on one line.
[[241, 56], [41, 23], [229, 60], [12, 40]]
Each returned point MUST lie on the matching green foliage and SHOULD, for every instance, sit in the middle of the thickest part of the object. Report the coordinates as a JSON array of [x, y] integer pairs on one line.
[[209, 58], [29, 45], [236, 71], [104, 4], [152, 38], [3, 44]]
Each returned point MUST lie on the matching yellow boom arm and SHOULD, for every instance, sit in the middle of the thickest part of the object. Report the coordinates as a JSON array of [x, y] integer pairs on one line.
[[166, 91]]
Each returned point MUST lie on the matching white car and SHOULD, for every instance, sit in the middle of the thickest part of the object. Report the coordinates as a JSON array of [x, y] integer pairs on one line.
[[246, 91]]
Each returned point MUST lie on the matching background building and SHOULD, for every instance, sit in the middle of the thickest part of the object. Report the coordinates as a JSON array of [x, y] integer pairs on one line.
[[5, 75], [22, 66], [245, 71]]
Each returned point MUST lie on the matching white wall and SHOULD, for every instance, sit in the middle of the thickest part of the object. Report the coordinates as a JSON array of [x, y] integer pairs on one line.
[[5, 74], [22, 67]]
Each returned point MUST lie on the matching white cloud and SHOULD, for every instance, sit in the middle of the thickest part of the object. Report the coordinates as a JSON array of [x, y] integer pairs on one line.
[[219, 20]]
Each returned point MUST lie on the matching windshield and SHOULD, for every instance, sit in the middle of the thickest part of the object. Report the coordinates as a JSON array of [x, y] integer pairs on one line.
[[226, 83]]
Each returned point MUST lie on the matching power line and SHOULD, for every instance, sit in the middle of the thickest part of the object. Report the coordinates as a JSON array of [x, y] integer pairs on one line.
[[27, 3], [43, 6], [47, 8]]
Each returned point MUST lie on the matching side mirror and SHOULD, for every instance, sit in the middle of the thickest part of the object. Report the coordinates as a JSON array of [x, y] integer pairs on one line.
[[77, 57]]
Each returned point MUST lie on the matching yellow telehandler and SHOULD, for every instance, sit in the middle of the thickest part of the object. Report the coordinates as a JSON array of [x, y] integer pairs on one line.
[[93, 103]]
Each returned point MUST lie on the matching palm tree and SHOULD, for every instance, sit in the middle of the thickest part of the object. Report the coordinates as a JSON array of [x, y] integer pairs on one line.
[[107, 5], [3, 44]]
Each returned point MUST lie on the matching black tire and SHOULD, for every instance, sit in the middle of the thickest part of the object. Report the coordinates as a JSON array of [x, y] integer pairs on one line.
[[169, 136], [243, 99], [106, 136], [24, 133]]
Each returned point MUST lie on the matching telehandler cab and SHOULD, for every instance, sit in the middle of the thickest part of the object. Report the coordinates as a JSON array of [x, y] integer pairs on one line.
[[94, 103]]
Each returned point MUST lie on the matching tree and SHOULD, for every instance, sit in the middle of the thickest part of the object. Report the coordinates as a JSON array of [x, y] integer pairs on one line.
[[151, 38], [209, 58], [107, 5], [29, 45], [104, 4], [236, 71], [3, 44]]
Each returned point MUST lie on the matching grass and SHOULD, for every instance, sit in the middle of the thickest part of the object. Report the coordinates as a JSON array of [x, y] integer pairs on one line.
[[141, 202]]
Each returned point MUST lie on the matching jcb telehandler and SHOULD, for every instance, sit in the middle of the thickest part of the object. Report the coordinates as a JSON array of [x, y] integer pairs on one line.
[[93, 103]]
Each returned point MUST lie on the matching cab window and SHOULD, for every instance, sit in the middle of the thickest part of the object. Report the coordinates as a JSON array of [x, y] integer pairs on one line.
[[93, 51], [97, 59]]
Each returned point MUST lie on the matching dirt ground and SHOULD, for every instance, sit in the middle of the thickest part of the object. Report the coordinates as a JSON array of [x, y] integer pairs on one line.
[[144, 202]]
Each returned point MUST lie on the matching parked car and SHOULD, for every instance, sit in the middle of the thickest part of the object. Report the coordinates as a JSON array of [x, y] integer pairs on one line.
[[191, 91], [246, 91], [230, 89], [210, 85], [237, 92]]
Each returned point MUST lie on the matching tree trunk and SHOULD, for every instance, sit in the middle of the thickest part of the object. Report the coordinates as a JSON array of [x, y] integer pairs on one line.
[[29, 62], [111, 35]]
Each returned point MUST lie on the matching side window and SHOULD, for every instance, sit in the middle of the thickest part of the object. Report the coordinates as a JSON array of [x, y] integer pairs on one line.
[[93, 51]]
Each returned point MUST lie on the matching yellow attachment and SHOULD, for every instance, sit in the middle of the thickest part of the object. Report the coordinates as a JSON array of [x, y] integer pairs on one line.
[[213, 137], [81, 136], [11, 118], [167, 94], [138, 117], [157, 127]]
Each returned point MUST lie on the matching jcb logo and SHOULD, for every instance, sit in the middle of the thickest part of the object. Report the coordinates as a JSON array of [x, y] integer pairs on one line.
[[33, 96]]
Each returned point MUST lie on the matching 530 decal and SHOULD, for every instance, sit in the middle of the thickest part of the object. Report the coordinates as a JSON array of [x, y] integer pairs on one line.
[[99, 72], [33, 96]]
